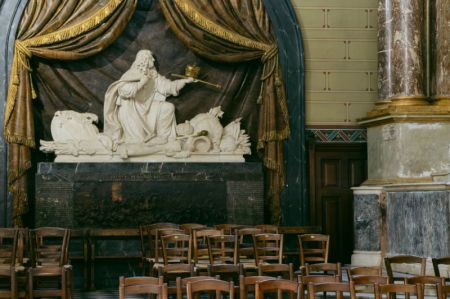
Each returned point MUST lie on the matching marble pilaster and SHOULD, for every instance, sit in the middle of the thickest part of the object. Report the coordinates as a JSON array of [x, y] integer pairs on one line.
[[441, 50], [400, 56]]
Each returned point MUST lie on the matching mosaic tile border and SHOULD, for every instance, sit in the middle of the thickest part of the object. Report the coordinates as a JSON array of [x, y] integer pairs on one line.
[[338, 135]]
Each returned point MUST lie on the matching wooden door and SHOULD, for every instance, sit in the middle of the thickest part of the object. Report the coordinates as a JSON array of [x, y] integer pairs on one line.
[[334, 169]]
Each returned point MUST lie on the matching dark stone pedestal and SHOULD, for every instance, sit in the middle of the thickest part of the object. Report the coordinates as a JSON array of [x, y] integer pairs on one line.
[[123, 195]]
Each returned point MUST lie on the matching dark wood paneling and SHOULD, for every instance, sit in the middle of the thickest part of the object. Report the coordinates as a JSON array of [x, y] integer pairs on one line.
[[334, 169]]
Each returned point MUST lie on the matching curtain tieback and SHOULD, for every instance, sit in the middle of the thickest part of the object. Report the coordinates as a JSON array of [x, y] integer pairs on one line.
[[269, 54]]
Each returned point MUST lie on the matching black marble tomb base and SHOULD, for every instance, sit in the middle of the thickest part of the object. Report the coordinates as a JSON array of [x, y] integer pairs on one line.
[[124, 195]]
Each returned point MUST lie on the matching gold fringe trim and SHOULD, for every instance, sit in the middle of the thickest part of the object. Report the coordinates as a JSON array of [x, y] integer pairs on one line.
[[75, 30], [219, 31], [23, 53], [19, 139]]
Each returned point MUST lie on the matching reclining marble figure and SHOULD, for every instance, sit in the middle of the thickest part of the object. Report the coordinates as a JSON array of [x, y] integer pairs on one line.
[[139, 125]]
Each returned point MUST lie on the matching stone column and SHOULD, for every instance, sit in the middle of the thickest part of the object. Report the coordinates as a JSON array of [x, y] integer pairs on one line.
[[400, 55], [441, 50]]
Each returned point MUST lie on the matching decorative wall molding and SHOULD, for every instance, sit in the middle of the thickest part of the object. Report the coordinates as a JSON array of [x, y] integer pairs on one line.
[[338, 135]]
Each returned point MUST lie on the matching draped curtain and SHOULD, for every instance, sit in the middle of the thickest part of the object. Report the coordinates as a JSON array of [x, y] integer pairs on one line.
[[236, 31], [62, 30]]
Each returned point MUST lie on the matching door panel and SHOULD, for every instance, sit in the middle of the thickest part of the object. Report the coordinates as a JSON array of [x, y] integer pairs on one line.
[[334, 169]]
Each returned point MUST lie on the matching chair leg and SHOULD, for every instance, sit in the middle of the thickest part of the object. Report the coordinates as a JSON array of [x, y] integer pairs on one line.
[[29, 292]]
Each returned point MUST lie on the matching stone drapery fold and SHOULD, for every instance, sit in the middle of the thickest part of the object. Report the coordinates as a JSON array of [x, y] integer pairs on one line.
[[235, 31], [62, 30]]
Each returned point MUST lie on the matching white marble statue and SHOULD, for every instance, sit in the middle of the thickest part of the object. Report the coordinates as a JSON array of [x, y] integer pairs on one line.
[[135, 108], [139, 125]]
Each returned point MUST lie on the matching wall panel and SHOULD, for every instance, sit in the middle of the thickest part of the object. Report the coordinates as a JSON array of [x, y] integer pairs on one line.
[[340, 39]]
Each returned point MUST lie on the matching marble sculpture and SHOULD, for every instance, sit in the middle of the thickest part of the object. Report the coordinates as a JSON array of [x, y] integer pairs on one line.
[[139, 125]]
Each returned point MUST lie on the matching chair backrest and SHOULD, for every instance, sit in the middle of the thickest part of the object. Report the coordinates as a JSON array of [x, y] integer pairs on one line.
[[142, 285], [177, 248], [337, 287], [246, 249], [200, 237], [268, 248], [324, 269], [406, 289], [189, 227], [227, 272], [366, 284], [363, 271], [268, 228], [247, 284], [221, 289], [304, 280], [430, 281], [149, 238], [228, 228], [50, 246], [222, 249], [440, 261], [9, 238], [285, 271], [403, 259], [313, 248], [182, 282], [277, 286]]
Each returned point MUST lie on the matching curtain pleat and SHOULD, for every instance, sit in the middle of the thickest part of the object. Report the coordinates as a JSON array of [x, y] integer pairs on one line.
[[63, 30], [237, 31]]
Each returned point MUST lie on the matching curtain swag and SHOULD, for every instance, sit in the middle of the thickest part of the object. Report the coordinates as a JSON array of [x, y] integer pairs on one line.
[[237, 31], [67, 30]]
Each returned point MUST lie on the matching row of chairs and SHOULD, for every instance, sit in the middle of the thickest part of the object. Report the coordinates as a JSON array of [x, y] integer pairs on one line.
[[34, 263], [167, 243], [258, 286]]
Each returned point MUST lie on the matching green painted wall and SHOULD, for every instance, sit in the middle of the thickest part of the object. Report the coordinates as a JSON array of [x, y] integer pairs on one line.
[[340, 38]]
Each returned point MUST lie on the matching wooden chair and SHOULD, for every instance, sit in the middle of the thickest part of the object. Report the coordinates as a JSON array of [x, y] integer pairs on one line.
[[430, 281], [246, 250], [440, 261], [268, 228], [220, 288], [222, 249], [9, 239], [181, 283], [285, 271], [313, 248], [247, 284], [142, 285], [201, 253], [268, 248], [392, 289], [172, 272], [50, 246], [336, 287], [324, 269], [305, 280], [149, 241], [403, 259], [177, 249], [363, 271], [278, 287], [177, 259], [366, 284]]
